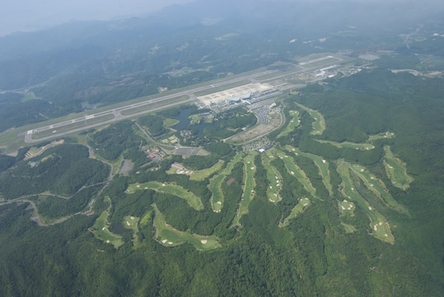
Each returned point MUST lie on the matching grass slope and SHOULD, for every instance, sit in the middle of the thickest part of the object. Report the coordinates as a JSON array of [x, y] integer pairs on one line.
[[168, 188], [248, 187], [168, 236], [396, 170]]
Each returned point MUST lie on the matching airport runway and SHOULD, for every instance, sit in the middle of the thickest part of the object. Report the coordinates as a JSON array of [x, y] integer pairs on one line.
[[117, 112]]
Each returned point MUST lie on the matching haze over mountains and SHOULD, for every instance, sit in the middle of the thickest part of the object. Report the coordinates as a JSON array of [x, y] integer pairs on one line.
[[223, 148], [26, 15]]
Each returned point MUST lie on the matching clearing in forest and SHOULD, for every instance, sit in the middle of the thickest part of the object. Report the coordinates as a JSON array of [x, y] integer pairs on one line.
[[348, 228], [274, 178], [347, 144], [36, 151], [396, 170], [377, 187], [101, 231], [146, 218], [248, 189], [320, 162], [297, 172], [170, 122], [298, 209], [257, 131], [293, 124], [131, 222], [346, 207], [319, 121], [168, 188], [215, 186], [200, 175], [168, 236], [381, 229], [384, 135]]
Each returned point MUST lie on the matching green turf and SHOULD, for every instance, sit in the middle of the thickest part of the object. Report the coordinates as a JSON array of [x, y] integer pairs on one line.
[[274, 179], [168, 236], [205, 173], [297, 210], [319, 121], [377, 187], [168, 188], [146, 218], [396, 170], [385, 135], [322, 165], [293, 124], [346, 207], [248, 188], [347, 144], [297, 172], [378, 223], [215, 186], [170, 122], [101, 231], [131, 222], [348, 228]]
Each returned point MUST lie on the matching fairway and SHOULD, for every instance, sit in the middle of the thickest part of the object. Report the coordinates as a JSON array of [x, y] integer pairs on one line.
[[130, 222], [168, 236], [385, 135], [298, 209], [378, 223], [215, 186], [168, 188], [348, 144], [396, 170], [248, 188], [293, 124], [320, 162], [101, 231], [297, 172], [146, 218], [377, 187], [200, 175], [274, 178], [319, 121]]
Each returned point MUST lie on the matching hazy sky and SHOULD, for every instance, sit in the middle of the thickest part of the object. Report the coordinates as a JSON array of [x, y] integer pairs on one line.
[[33, 14], [28, 15]]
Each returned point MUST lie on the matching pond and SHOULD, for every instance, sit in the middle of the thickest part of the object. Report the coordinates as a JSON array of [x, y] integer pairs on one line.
[[184, 122], [119, 229]]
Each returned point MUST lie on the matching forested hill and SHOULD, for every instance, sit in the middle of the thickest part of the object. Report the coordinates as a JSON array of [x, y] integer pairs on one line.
[[81, 65], [155, 231], [329, 185]]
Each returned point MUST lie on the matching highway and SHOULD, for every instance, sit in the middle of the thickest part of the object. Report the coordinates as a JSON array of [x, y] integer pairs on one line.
[[188, 97]]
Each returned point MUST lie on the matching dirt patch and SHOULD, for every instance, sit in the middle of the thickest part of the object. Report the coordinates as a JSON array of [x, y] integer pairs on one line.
[[230, 181]]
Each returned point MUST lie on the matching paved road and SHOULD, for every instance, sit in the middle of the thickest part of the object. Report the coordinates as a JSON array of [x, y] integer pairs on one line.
[[117, 112]]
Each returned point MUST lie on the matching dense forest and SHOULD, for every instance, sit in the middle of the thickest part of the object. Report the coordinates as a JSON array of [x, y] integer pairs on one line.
[[115, 61], [312, 256], [67, 212]]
